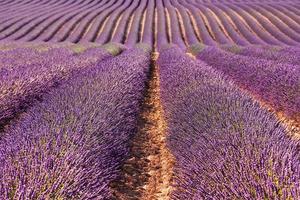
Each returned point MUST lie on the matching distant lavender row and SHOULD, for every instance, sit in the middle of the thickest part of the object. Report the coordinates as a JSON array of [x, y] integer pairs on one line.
[[120, 31], [148, 36], [277, 54], [10, 59], [182, 22], [71, 145], [133, 36], [22, 85], [225, 145], [276, 84], [67, 24], [186, 22], [162, 38]]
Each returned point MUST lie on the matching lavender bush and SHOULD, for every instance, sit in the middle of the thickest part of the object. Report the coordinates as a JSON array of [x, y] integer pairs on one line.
[[71, 145], [226, 146], [22, 85], [276, 84], [277, 54], [133, 35]]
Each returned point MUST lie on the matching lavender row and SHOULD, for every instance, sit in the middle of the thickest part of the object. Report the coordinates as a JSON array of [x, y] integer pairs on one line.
[[229, 27], [21, 86], [284, 18], [51, 20], [21, 12], [226, 146], [71, 145], [19, 54], [120, 31], [280, 34], [219, 35], [276, 54], [294, 17], [205, 34], [242, 27], [190, 22], [86, 22], [133, 32], [39, 23], [162, 38], [12, 28], [191, 37], [15, 11], [68, 22], [108, 8], [276, 84], [283, 26], [12, 58], [255, 26], [176, 35], [106, 34], [148, 36]]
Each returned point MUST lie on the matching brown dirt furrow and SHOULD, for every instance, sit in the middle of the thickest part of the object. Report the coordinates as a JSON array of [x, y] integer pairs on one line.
[[148, 173], [129, 27], [194, 25], [142, 25], [181, 27], [114, 29], [168, 25]]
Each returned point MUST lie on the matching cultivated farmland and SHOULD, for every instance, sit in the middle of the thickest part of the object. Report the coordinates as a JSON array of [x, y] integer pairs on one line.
[[150, 99]]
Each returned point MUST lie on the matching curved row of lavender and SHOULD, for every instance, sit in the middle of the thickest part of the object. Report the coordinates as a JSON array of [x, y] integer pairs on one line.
[[277, 84], [183, 22], [71, 145], [277, 54], [22, 84], [225, 145]]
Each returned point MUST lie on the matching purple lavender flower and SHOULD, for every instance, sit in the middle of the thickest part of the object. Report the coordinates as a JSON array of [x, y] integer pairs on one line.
[[71, 144], [226, 146]]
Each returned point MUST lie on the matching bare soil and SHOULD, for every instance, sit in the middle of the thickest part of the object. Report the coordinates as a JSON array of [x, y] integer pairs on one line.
[[148, 173]]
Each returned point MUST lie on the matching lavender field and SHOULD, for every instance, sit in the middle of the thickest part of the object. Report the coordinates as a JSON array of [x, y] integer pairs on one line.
[[150, 99]]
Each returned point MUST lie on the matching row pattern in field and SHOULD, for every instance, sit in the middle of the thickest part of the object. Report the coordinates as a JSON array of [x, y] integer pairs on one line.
[[218, 123], [156, 22]]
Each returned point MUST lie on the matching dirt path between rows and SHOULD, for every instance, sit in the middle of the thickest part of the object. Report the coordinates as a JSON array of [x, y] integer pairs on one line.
[[148, 173]]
